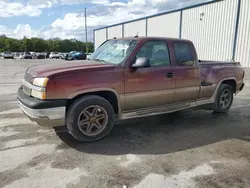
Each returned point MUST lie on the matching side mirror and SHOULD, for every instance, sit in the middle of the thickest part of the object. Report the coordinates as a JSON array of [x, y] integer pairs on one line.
[[141, 62]]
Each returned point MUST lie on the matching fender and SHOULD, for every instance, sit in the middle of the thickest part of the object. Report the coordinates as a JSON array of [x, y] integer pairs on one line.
[[213, 98], [219, 84], [120, 98]]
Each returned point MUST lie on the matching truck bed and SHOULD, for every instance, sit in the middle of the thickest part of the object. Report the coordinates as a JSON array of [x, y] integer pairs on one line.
[[213, 71]]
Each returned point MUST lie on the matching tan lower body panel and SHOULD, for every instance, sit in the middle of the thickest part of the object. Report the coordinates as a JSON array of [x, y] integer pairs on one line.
[[164, 109], [148, 99]]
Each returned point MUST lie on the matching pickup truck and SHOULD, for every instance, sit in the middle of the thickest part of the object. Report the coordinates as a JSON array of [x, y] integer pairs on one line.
[[127, 78]]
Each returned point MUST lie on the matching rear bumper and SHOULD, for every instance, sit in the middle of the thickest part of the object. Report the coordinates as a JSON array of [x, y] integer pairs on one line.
[[43, 113]]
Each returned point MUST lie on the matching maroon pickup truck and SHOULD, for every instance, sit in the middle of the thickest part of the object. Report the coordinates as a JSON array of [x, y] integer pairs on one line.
[[127, 78]]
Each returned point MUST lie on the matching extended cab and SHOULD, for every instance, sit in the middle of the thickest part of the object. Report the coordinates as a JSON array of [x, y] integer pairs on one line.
[[127, 78]]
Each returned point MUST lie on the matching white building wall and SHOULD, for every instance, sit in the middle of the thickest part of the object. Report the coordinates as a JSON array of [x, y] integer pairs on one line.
[[133, 28], [100, 37], [243, 41], [213, 36], [115, 31], [167, 25]]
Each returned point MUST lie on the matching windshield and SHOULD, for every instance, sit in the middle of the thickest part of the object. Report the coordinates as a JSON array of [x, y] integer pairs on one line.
[[7, 52], [114, 51]]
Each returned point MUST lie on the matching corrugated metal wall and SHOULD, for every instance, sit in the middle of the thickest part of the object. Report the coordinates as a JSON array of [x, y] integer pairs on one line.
[[243, 42], [134, 28], [210, 26], [212, 33], [100, 37], [115, 31], [165, 25]]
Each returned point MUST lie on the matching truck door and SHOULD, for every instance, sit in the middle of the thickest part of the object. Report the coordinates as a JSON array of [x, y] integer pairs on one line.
[[152, 86], [186, 72]]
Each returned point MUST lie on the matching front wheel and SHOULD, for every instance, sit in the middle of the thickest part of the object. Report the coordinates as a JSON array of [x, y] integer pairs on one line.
[[90, 118], [224, 99]]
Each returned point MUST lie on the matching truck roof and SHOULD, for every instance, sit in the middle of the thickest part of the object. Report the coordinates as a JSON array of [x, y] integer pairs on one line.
[[150, 38]]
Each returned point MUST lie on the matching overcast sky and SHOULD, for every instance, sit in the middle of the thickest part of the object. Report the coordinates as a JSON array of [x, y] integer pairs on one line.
[[65, 18]]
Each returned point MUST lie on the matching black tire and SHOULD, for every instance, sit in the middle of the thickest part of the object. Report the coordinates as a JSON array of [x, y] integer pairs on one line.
[[217, 106], [75, 111]]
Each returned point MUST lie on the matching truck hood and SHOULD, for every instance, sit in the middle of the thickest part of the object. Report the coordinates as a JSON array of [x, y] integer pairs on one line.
[[51, 69]]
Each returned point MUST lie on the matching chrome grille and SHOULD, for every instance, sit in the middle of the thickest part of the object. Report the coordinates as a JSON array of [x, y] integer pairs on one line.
[[27, 77], [26, 90]]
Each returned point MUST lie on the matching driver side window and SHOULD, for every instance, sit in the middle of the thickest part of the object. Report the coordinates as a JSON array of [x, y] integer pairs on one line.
[[157, 52]]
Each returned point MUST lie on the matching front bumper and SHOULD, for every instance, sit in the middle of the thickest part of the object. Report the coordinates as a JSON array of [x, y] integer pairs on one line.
[[8, 57], [45, 113], [242, 86]]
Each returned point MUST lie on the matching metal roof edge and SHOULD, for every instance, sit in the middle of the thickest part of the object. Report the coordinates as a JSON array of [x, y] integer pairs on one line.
[[161, 13]]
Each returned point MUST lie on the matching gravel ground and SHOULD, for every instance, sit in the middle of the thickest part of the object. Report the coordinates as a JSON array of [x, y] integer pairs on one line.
[[187, 149]]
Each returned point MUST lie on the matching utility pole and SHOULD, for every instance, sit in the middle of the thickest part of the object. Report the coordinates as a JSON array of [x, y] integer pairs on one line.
[[86, 32]]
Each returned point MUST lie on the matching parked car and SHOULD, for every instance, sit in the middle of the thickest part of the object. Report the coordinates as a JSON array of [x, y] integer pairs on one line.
[[54, 55], [77, 56], [25, 55], [62, 55], [34, 55], [8, 55], [88, 55], [127, 78], [41, 56], [69, 54], [16, 54], [47, 55]]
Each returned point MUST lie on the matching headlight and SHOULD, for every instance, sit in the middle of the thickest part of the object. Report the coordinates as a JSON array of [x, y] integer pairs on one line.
[[38, 89], [38, 94], [41, 82]]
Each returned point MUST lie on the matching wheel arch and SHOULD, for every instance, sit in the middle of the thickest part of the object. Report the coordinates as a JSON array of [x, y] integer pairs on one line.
[[107, 93], [222, 81], [231, 82]]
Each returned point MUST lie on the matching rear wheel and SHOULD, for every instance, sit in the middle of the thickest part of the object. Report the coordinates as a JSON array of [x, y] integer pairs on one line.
[[224, 99], [90, 118]]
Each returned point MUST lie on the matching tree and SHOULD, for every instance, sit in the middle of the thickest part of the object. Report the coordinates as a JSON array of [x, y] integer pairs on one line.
[[38, 45], [42, 45]]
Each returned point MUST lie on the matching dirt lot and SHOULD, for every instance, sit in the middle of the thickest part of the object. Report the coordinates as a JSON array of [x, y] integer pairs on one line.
[[184, 149]]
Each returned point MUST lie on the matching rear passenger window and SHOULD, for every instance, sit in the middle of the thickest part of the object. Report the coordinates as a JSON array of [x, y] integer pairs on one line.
[[157, 53], [183, 54]]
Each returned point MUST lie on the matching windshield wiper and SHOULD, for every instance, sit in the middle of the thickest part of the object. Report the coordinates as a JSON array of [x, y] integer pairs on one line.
[[103, 61]]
